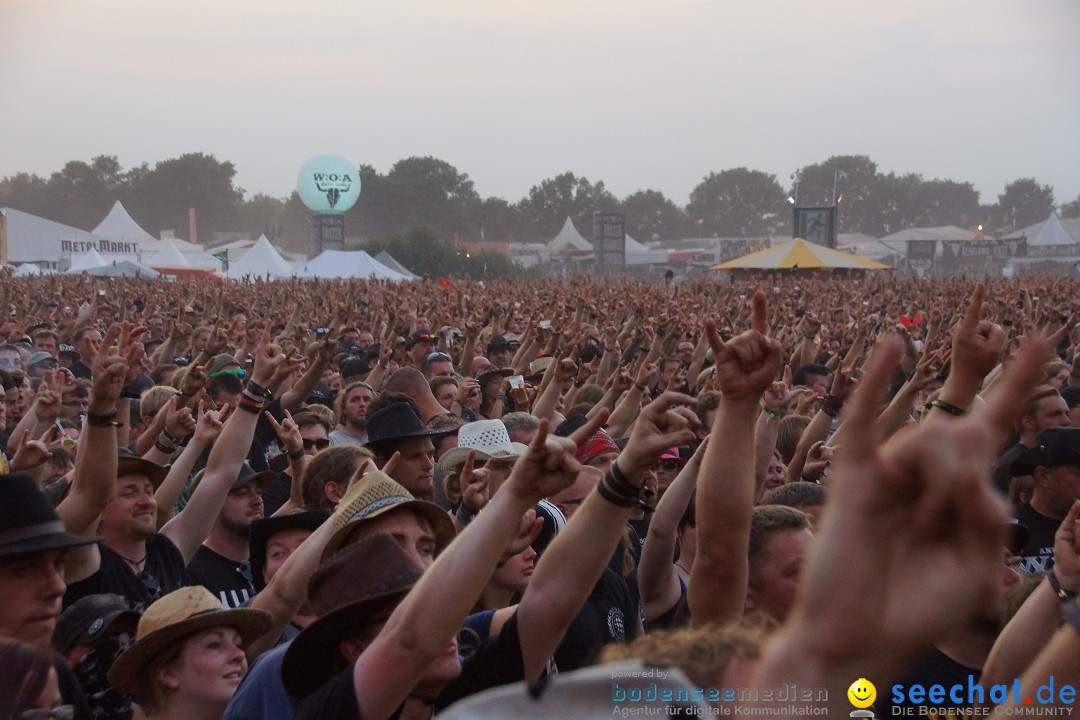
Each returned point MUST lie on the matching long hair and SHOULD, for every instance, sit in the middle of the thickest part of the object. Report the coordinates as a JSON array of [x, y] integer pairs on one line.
[[24, 670]]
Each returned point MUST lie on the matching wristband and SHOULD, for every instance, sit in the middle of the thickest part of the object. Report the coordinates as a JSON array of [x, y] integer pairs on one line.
[[464, 514], [946, 407], [163, 447], [103, 420], [621, 482], [639, 386], [832, 405], [773, 414], [248, 406], [296, 454], [259, 390], [806, 478], [614, 498], [130, 394], [1065, 596], [169, 438]]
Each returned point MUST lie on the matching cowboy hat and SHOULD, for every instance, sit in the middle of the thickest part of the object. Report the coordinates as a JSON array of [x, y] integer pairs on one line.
[[170, 620], [488, 438]]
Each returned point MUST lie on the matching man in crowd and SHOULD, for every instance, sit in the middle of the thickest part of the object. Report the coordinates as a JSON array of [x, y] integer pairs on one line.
[[352, 415], [1045, 410]]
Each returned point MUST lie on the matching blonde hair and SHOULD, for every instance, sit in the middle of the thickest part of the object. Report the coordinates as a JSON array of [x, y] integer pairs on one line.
[[151, 401]]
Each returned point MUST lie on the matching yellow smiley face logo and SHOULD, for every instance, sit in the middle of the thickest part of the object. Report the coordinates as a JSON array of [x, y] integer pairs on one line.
[[862, 693]]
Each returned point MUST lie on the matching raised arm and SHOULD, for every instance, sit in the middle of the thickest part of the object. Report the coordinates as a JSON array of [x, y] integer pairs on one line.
[[879, 588], [657, 581], [414, 636], [745, 367], [207, 428], [192, 526]]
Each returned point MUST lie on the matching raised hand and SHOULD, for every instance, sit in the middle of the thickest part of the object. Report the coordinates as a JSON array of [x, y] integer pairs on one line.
[[473, 484], [287, 431], [748, 363], [657, 428], [549, 466], [31, 453], [209, 423]]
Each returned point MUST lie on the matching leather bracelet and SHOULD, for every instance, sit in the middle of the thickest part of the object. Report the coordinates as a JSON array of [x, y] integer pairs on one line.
[[947, 407], [1064, 596], [613, 497], [296, 454], [257, 389], [102, 420], [621, 483], [640, 387], [832, 405], [169, 438], [164, 448]]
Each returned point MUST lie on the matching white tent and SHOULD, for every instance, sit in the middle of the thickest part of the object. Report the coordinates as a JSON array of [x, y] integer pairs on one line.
[[125, 268], [345, 264], [261, 260], [194, 255], [1052, 233], [638, 254], [33, 239], [167, 257], [27, 269], [118, 226], [385, 258], [569, 240], [86, 261]]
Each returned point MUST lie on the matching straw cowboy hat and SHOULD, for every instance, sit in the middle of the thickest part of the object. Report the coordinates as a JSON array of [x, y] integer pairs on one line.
[[171, 619], [376, 494]]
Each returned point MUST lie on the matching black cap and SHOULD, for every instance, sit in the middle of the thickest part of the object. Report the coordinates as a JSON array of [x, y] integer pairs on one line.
[[246, 475], [498, 343], [421, 336], [355, 366], [398, 421], [88, 619], [263, 530], [28, 522], [1057, 446], [587, 353]]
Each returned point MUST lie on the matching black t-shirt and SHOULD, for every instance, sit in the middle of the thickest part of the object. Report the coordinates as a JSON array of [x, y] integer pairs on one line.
[[162, 573], [79, 370], [937, 668], [609, 615], [224, 577], [496, 662], [1038, 555]]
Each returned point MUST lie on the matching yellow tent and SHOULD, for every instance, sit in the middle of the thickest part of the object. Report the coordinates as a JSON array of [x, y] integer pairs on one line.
[[800, 255]]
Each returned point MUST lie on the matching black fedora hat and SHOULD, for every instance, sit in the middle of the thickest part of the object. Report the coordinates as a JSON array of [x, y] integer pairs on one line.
[[28, 522], [1056, 446], [398, 421], [262, 530], [356, 587]]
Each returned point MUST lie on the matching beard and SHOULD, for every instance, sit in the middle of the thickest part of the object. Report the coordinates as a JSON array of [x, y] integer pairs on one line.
[[240, 528]]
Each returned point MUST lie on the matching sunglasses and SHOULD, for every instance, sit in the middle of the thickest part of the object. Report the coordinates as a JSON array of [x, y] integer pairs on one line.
[[353, 385], [666, 465], [438, 356], [320, 444], [238, 372]]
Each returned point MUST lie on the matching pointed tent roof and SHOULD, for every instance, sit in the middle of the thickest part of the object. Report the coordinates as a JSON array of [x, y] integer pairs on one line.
[[799, 254], [38, 240], [120, 226], [262, 259], [569, 239], [168, 257], [345, 264], [86, 261], [27, 269], [385, 258], [1052, 233], [125, 268]]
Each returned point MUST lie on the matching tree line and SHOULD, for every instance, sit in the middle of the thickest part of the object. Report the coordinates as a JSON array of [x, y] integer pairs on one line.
[[427, 198]]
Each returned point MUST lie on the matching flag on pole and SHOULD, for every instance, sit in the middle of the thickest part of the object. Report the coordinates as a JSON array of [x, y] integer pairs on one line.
[[223, 256]]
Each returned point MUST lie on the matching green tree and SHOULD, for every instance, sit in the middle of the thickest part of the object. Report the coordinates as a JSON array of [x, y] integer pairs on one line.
[[427, 192], [738, 203], [261, 215], [546, 207], [163, 195], [27, 192], [650, 214], [1071, 209], [1025, 202]]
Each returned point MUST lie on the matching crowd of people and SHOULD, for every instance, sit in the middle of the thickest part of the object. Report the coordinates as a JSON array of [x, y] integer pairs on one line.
[[345, 499]]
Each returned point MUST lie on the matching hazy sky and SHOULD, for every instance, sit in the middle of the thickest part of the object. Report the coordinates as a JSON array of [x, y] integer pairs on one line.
[[637, 94]]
